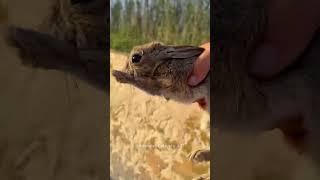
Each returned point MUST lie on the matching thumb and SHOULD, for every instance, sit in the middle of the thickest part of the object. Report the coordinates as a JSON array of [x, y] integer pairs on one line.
[[201, 67]]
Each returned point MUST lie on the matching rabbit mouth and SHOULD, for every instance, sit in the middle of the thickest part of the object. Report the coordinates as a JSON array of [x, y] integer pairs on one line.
[[130, 70]]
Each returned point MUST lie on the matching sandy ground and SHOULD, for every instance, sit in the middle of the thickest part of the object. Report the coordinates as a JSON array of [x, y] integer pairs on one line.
[[151, 137], [53, 126]]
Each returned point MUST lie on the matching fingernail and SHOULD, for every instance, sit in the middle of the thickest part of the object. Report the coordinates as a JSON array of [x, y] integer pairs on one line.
[[193, 80], [265, 62]]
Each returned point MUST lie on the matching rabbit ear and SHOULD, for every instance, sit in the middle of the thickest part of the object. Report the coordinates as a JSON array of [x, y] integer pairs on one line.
[[182, 52]]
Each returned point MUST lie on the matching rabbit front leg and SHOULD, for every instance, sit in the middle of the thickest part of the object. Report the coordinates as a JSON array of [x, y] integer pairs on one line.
[[150, 86]]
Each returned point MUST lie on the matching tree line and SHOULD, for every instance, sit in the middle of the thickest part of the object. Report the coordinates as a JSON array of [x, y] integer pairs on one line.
[[178, 22]]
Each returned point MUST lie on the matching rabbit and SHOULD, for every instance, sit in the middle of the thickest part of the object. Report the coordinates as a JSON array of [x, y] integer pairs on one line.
[[163, 70]]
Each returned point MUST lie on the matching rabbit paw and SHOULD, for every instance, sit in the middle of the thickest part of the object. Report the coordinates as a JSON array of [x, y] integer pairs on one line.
[[122, 77], [200, 155]]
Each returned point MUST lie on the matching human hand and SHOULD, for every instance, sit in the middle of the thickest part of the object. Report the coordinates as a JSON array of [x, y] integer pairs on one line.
[[291, 27], [201, 66]]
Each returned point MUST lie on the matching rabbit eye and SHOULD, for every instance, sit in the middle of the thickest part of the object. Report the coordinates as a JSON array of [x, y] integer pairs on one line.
[[136, 58]]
